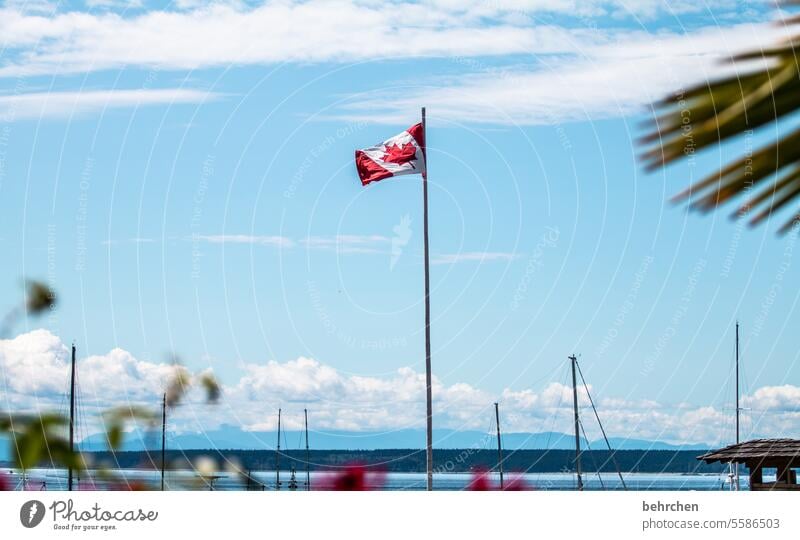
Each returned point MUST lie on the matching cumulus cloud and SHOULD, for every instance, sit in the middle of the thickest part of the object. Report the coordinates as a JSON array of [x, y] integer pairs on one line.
[[34, 368], [34, 363], [774, 398], [35, 374]]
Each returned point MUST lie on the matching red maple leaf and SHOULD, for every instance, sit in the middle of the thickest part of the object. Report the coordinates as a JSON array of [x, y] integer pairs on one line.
[[400, 154]]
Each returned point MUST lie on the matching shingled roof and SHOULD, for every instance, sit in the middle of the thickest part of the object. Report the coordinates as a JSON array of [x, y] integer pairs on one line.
[[758, 449]]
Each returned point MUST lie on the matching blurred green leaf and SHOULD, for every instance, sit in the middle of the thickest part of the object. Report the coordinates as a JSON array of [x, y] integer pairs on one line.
[[211, 386], [39, 297], [117, 418], [37, 439], [177, 386], [710, 113]]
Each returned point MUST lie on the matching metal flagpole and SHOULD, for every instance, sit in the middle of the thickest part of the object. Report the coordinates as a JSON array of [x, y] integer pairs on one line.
[[429, 449]]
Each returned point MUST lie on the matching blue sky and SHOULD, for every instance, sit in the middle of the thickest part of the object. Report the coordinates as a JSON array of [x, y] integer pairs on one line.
[[183, 175]]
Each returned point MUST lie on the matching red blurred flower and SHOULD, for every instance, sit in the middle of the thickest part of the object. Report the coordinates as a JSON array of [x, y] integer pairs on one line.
[[480, 482], [354, 477], [517, 483]]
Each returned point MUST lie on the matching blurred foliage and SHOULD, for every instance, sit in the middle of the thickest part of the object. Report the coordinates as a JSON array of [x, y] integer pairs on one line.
[[38, 439], [768, 178], [116, 419], [178, 385], [182, 380], [211, 386], [39, 297]]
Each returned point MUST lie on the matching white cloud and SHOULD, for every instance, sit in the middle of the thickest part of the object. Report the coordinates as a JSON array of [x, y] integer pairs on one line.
[[66, 104], [774, 398], [205, 34], [122, 5], [221, 35], [262, 240], [349, 243], [600, 80], [581, 71], [34, 363], [34, 368], [472, 256], [133, 240]]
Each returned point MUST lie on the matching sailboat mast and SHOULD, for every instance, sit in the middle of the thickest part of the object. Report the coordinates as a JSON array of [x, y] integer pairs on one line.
[[499, 445], [737, 382], [308, 458], [738, 409], [278, 455], [71, 416], [573, 360], [163, 437]]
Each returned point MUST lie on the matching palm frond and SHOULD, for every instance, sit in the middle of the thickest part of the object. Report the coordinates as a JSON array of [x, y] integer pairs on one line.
[[709, 113]]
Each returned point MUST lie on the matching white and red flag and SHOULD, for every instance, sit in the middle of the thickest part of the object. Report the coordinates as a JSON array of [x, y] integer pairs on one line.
[[402, 154]]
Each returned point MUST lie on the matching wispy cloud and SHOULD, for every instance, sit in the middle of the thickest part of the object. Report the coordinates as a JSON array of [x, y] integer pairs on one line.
[[67, 104], [348, 243], [277, 241], [134, 240], [473, 256], [199, 34], [602, 80], [342, 243]]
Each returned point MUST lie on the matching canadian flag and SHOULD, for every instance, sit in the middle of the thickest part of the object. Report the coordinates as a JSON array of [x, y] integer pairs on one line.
[[402, 154]]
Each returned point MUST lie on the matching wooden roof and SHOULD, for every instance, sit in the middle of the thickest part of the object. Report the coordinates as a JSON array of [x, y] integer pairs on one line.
[[756, 450]]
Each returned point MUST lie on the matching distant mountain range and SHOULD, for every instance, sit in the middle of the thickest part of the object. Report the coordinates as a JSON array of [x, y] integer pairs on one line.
[[231, 437]]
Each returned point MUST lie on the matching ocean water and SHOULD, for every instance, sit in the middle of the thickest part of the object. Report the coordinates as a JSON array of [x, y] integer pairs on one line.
[[52, 479]]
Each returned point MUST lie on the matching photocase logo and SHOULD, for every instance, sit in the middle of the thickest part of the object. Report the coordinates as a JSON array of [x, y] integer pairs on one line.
[[31, 514], [402, 234]]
